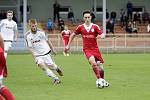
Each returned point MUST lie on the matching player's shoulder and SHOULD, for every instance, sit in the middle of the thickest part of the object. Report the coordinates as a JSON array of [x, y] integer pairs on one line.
[[80, 26], [96, 26], [3, 20], [40, 31], [27, 34], [13, 21]]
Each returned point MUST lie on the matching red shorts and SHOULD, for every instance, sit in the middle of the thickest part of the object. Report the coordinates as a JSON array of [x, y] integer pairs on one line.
[[3, 68], [96, 53], [66, 41]]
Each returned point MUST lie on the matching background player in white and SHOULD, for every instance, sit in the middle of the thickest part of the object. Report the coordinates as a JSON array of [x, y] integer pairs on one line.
[[8, 29], [40, 47]]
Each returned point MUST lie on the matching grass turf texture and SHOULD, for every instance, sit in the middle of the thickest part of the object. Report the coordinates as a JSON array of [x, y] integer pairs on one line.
[[128, 75]]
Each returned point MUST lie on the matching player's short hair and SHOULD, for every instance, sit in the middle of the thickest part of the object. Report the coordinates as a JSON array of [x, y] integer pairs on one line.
[[9, 11], [86, 12], [32, 21]]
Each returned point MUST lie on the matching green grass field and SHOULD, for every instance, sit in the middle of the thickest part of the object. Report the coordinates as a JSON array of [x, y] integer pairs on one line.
[[128, 75]]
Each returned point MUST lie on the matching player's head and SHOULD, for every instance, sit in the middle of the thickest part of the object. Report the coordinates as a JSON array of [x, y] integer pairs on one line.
[[33, 25], [66, 27], [9, 15], [87, 16]]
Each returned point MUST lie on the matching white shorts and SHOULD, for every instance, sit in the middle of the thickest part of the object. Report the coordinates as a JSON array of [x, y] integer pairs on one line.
[[44, 59], [7, 46]]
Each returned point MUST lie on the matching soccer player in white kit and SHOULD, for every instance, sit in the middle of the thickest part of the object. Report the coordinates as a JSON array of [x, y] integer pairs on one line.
[[41, 48], [8, 31]]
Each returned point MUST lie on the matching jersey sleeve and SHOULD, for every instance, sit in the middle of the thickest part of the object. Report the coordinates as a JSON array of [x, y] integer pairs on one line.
[[44, 36], [78, 30], [15, 28], [28, 41], [99, 30], [1, 24]]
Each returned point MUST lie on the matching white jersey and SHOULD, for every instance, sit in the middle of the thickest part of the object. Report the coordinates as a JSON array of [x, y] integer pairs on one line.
[[8, 29], [38, 42]]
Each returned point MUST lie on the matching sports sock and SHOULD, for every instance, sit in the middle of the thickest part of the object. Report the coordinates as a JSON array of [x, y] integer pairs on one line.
[[101, 71], [6, 93], [50, 73], [96, 71]]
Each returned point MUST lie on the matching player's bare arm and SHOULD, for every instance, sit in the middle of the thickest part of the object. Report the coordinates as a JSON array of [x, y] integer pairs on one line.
[[102, 36], [51, 46], [72, 36], [31, 51], [16, 36]]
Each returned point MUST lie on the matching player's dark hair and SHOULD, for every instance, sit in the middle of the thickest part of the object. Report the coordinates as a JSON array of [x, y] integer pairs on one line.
[[86, 12], [9, 11]]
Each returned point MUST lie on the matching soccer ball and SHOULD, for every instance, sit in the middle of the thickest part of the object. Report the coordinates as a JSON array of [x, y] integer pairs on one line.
[[99, 84]]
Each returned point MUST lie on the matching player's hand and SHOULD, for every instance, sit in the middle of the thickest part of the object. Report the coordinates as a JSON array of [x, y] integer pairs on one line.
[[54, 52], [67, 47]]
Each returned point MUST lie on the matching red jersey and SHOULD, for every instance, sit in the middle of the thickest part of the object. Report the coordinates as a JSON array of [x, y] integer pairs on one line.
[[3, 69], [66, 34], [89, 35]]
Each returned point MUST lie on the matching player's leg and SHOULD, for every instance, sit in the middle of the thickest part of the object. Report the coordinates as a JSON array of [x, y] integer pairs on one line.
[[95, 67], [106, 84], [65, 50], [52, 65], [100, 65], [7, 46], [47, 70], [40, 62], [4, 92], [49, 73]]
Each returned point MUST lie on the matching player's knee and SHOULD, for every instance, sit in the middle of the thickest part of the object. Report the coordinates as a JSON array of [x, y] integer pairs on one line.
[[42, 66]]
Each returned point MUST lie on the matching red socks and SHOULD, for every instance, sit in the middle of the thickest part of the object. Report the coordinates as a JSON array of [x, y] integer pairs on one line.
[[6, 94], [96, 71]]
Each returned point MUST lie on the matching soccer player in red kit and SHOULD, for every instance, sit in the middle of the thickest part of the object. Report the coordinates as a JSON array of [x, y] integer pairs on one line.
[[4, 92], [89, 33], [65, 36]]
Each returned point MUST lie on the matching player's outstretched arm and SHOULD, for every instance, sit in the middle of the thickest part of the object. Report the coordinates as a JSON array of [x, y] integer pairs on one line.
[[51, 46], [72, 36], [102, 36]]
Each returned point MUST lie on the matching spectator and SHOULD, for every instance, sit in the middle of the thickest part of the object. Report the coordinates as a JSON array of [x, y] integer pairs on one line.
[[71, 16], [113, 16], [50, 25], [107, 15], [137, 17], [93, 17], [145, 16], [122, 17], [56, 8], [148, 27], [110, 26], [61, 24], [129, 9], [14, 18], [65, 34], [134, 27], [129, 27]]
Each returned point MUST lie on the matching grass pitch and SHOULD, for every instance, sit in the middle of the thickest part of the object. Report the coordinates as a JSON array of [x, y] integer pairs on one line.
[[128, 75]]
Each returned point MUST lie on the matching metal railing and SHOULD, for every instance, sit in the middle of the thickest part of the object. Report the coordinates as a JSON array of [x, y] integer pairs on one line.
[[112, 43], [116, 42]]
